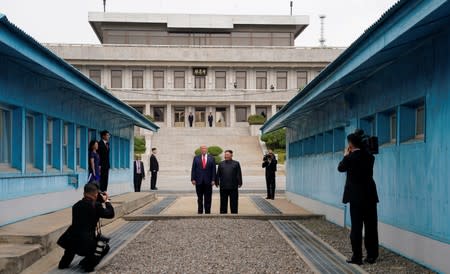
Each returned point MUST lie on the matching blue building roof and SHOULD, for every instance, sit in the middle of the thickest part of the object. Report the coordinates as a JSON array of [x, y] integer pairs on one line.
[[27, 51], [399, 30]]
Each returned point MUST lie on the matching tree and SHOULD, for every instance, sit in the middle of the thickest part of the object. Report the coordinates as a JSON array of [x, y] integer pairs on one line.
[[275, 139], [139, 145]]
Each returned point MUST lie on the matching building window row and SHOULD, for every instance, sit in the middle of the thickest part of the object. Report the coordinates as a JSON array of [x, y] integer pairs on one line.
[[400, 124], [325, 142], [385, 125], [50, 144], [137, 79]]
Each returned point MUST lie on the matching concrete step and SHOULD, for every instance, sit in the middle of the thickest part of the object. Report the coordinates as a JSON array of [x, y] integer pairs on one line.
[[45, 230], [16, 257]]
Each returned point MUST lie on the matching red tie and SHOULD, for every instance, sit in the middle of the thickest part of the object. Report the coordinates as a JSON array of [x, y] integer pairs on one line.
[[204, 161]]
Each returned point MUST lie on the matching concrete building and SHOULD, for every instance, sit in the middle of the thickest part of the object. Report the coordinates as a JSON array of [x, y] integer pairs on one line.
[[393, 82], [49, 112], [170, 65]]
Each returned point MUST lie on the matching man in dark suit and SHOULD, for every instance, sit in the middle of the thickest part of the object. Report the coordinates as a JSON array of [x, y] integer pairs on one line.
[[154, 168], [190, 119], [210, 119], [80, 237], [103, 152], [270, 164], [138, 173], [360, 191], [203, 176], [229, 178]]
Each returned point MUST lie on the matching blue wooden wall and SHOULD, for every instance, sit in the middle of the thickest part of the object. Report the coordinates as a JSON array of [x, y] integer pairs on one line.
[[27, 88], [412, 176]]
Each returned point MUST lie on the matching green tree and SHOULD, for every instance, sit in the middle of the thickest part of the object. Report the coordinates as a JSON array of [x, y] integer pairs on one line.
[[139, 145], [275, 139]]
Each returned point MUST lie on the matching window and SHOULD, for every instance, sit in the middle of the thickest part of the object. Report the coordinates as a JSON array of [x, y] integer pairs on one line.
[[158, 79], [116, 78], [96, 76], [65, 154], [241, 79], [281, 79], [328, 141], [420, 121], [179, 81], [221, 79], [158, 114], [261, 111], [5, 136], [368, 125], [78, 143], [319, 143], [261, 80], [339, 139], [49, 142], [412, 121], [302, 79], [241, 114], [137, 79], [29, 140], [200, 81], [393, 127]]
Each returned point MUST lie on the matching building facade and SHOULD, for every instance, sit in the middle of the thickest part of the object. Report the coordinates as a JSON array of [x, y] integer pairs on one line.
[[170, 65], [394, 83], [49, 112]]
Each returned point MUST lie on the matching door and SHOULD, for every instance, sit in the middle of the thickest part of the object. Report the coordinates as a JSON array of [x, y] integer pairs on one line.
[[221, 114], [179, 117], [199, 117]]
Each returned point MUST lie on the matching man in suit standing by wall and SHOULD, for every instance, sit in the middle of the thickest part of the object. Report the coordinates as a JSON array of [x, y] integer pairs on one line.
[[138, 173], [203, 176], [210, 119], [190, 119], [154, 168], [103, 152], [229, 177], [360, 191]]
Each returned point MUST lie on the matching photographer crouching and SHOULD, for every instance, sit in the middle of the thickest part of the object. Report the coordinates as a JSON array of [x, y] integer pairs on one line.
[[80, 238], [270, 164], [360, 191]]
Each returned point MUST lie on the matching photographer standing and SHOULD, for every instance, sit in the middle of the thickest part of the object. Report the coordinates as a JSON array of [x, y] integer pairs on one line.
[[270, 164], [80, 237], [360, 191]]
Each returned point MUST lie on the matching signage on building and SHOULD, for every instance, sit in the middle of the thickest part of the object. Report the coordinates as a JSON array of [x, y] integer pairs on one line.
[[200, 71]]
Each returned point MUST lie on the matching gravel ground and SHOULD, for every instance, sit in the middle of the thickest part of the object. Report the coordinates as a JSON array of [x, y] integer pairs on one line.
[[207, 246], [338, 237]]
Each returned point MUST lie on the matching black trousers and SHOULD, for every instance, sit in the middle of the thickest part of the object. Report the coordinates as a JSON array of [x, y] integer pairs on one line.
[[270, 184], [190, 123], [137, 180], [104, 176], [204, 195], [89, 262], [234, 197], [153, 179], [364, 214], [210, 124]]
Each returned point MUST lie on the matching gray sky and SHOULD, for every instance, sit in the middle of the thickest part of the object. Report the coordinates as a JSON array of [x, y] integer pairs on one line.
[[65, 21]]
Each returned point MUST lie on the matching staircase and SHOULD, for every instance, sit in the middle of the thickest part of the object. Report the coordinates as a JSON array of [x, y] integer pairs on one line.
[[176, 148]]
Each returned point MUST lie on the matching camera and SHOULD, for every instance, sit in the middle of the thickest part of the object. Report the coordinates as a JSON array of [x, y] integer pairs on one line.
[[100, 196], [369, 143]]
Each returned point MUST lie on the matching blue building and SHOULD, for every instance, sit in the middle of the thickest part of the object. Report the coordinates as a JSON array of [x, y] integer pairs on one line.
[[49, 111], [393, 82]]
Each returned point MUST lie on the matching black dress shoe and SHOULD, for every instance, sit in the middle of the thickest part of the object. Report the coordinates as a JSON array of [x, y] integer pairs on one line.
[[370, 260], [353, 261], [267, 197]]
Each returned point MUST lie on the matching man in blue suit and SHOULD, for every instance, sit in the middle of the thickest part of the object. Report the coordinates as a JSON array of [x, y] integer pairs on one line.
[[203, 177]]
